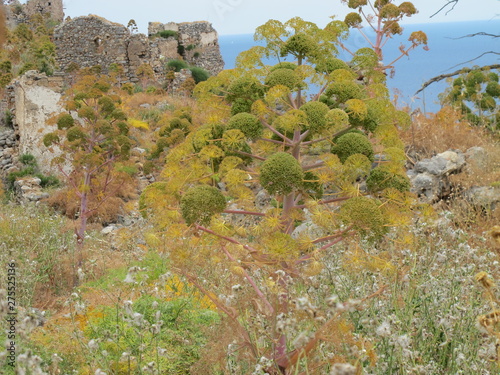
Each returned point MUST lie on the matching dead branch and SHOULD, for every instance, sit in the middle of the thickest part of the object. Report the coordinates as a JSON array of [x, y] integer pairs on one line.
[[455, 73], [475, 58], [454, 2], [481, 33]]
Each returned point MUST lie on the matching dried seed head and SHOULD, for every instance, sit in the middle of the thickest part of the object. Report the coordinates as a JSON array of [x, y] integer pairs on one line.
[[482, 277], [489, 320], [495, 233]]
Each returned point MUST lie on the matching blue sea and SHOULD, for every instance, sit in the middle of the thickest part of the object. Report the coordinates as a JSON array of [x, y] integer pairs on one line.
[[448, 52]]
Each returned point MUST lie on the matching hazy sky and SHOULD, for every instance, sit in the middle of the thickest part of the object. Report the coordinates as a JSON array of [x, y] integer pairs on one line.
[[243, 16]]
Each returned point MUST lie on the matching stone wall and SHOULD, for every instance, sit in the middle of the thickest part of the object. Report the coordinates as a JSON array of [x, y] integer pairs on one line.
[[9, 134], [52, 8], [91, 40], [17, 13], [199, 40], [8, 151], [38, 99]]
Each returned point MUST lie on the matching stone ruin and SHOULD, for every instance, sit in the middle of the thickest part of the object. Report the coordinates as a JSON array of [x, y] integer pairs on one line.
[[91, 40], [17, 13], [88, 41]]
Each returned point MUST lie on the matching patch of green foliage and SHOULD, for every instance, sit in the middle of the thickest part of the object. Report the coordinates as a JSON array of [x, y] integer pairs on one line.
[[199, 74], [31, 169], [176, 65], [281, 174], [200, 203], [352, 143], [168, 34], [380, 179]]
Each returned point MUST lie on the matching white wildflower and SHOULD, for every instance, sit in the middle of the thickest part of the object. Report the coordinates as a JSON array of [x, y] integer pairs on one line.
[[403, 341], [384, 330], [93, 345], [343, 369]]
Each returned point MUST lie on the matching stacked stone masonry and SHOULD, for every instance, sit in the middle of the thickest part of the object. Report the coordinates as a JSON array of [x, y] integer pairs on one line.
[[17, 13], [91, 40], [8, 151]]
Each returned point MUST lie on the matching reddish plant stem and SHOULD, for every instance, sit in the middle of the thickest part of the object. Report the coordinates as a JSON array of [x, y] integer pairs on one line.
[[252, 283], [254, 252], [340, 234], [238, 212], [282, 136], [275, 141], [329, 244], [333, 200], [313, 166], [231, 313], [311, 255], [251, 155]]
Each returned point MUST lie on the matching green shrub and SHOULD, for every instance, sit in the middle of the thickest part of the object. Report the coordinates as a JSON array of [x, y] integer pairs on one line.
[[9, 119], [13, 176], [283, 65], [31, 169], [180, 49], [330, 65], [199, 74], [343, 91], [27, 159], [168, 34], [176, 65], [47, 181]]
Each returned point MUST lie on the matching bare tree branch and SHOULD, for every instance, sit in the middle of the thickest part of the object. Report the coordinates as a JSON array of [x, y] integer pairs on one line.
[[475, 58], [454, 2], [481, 33], [455, 73]]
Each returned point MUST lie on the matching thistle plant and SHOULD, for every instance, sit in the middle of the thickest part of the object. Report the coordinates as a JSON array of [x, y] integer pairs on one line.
[[271, 155]]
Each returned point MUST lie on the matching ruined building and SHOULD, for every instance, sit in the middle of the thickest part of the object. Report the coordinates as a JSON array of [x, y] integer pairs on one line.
[[17, 13], [34, 98], [92, 40]]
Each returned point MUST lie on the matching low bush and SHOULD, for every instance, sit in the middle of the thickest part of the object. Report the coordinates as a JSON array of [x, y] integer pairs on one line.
[[176, 65], [199, 74]]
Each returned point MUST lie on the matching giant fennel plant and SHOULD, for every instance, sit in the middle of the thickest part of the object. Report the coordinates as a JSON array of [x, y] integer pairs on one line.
[[280, 147]]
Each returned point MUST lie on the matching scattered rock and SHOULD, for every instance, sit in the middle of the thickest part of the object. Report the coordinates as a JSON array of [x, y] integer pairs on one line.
[[28, 189], [262, 199], [477, 157], [429, 178], [486, 197], [309, 229], [109, 229], [443, 164]]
